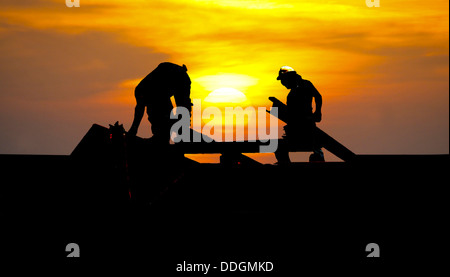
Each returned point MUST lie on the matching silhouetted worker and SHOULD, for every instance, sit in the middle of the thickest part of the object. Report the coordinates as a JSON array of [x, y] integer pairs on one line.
[[154, 92], [300, 128]]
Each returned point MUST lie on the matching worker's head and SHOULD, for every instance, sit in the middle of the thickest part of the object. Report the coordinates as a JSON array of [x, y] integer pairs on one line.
[[288, 77]]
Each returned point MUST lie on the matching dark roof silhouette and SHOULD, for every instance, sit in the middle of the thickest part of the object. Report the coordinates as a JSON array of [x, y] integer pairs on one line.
[[123, 199]]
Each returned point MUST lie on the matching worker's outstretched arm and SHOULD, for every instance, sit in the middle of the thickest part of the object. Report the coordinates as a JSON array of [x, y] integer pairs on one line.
[[183, 94], [138, 114], [184, 102]]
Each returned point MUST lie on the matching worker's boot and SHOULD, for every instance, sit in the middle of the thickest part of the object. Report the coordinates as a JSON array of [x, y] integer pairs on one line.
[[317, 156], [282, 157]]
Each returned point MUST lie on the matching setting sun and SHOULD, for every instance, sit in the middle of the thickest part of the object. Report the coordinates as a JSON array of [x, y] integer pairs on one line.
[[226, 95]]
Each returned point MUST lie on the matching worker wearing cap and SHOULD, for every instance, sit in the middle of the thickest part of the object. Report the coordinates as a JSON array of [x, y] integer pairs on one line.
[[154, 93], [302, 120]]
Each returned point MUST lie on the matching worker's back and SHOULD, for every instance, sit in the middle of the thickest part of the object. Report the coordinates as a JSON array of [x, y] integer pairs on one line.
[[165, 81], [299, 101]]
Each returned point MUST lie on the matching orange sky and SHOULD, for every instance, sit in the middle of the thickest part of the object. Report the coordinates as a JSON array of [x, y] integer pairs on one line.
[[383, 72]]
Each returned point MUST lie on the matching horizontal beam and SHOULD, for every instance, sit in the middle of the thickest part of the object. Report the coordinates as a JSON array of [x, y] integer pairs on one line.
[[227, 147]]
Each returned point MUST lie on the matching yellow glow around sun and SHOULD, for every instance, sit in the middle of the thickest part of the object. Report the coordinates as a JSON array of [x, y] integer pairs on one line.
[[223, 89], [226, 80], [226, 95], [247, 4]]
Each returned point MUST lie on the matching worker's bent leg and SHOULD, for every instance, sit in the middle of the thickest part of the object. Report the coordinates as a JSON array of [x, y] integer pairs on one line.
[[282, 152], [159, 117]]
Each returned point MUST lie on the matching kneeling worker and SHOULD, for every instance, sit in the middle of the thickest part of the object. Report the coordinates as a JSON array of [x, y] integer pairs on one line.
[[301, 125]]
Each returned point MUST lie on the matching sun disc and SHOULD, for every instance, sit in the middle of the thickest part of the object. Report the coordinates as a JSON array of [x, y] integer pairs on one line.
[[226, 95]]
